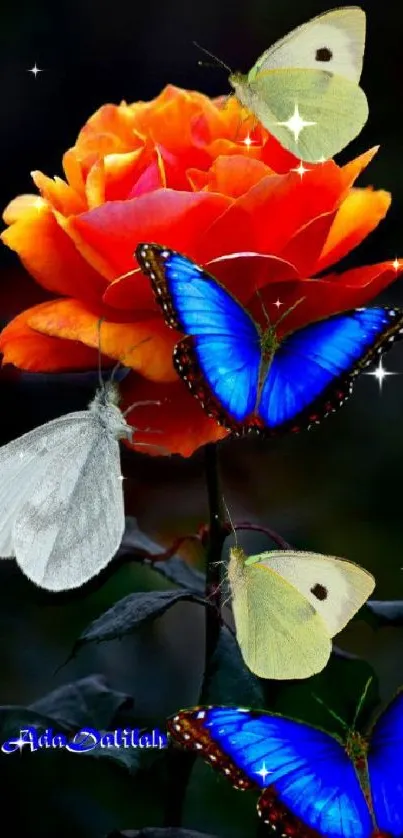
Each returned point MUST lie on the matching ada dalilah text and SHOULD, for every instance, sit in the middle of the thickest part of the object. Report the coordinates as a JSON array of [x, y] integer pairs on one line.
[[86, 739]]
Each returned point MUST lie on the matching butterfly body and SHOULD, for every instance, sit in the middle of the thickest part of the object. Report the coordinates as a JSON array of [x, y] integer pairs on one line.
[[61, 497], [243, 375], [311, 785], [312, 76]]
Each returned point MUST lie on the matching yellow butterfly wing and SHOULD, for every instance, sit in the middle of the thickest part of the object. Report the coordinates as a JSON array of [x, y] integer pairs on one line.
[[282, 100], [333, 41], [279, 633], [288, 605], [311, 75]]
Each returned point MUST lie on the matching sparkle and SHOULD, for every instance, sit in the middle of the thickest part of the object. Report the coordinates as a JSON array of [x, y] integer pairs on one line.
[[18, 742], [278, 303], [396, 264], [248, 140], [35, 70], [300, 170], [296, 123], [380, 373], [263, 773]]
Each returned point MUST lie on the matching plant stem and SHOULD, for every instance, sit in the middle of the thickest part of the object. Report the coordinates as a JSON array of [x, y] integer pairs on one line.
[[180, 763], [216, 538]]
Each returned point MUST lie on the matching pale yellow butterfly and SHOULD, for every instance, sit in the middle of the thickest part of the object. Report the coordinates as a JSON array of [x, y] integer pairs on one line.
[[287, 606], [311, 76]]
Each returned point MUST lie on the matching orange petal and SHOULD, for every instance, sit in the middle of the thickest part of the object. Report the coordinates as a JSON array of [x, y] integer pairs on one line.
[[29, 350], [50, 256], [59, 194], [23, 207], [235, 175], [351, 171], [359, 214], [144, 346], [180, 422], [95, 185], [273, 210]]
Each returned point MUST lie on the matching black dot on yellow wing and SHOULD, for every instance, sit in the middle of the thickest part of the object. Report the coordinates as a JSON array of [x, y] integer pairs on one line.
[[319, 591], [323, 54]]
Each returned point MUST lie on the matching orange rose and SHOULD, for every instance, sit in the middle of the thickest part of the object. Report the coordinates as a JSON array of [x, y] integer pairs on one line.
[[186, 172]]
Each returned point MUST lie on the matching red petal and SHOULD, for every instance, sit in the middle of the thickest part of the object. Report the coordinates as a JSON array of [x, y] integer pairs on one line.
[[180, 423]]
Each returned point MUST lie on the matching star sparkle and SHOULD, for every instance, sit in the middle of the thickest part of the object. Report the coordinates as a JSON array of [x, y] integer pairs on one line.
[[396, 264], [35, 70], [278, 303], [380, 373], [263, 773], [300, 170], [248, 140], [296, 123]]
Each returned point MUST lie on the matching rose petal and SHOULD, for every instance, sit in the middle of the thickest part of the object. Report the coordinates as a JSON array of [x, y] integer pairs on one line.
[[108, 236], [146, 347], [305, 246], [29, 350], [233, 176], [180, 422], [274, 209], [320, 298], [59, 194], [244, 273], [359, 214], [50, 256], [370, 279]]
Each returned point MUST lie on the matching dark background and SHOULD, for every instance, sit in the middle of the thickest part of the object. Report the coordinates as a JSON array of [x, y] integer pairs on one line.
[[335, 490]]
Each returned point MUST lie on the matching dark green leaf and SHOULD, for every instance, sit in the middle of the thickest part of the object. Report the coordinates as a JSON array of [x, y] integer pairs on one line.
[[178, 571], [136, 543], [132, 759], [131, 613], [228, 679], [379, 613], [86, 702], [339, 688]]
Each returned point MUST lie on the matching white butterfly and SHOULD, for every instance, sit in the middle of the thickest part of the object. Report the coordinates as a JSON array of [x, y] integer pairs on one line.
[[311, 76], [61, 495], [288, 605]]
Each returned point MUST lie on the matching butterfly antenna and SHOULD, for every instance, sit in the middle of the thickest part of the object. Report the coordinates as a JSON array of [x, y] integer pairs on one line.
[[231, 522], [361, 701], [289, 310], [331, 712], [264, 309], [100, 377], [217, 61]]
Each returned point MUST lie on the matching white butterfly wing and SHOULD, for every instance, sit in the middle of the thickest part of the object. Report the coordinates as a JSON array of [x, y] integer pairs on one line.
[[336, 588], [72, 523], [335, 108], [21, 464], [279, 632], [333, 41]]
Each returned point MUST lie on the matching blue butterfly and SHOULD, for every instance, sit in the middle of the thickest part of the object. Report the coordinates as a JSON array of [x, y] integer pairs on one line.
[[314, 784], [242, 375]]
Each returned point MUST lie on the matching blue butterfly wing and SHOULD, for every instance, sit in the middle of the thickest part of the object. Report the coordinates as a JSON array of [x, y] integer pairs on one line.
[[220, 358], [312, 370], [305, 768], [385, 768]]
